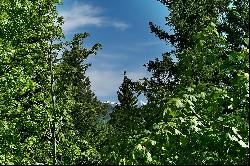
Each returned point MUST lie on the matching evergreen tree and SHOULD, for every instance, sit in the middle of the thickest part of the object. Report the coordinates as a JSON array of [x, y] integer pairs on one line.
[[187, 19], [125, 116], [73, 87], [126, 95], [198, 109], [125, 121]]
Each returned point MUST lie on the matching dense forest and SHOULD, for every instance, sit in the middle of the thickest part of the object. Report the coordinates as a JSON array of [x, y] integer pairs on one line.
[[197, 110]]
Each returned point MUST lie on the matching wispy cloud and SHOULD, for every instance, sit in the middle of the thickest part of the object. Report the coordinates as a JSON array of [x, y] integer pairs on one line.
[[150, 43], [82, 15], [106, 82], [140, 46], [120, 25]]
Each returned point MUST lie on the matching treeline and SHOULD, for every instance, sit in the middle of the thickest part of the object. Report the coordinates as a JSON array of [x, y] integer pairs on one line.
[[197, 110]]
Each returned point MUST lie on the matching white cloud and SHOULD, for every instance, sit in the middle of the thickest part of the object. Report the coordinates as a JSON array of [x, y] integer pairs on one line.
[[106, 82], [81, 15], [120, 25], [136, 75], [141, 46], [150, 43], [106, 74]]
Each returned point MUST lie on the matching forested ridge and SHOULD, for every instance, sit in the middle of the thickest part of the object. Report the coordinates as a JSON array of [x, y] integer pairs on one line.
[[197, 109]]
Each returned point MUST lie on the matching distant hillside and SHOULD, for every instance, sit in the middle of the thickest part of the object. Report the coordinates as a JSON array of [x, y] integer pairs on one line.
[[111, 107]]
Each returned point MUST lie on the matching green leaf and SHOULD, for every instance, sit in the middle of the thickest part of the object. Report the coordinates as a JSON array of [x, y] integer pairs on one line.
[[153, 142], [149, 158], [246, 40], [190, 89], [178, 103]]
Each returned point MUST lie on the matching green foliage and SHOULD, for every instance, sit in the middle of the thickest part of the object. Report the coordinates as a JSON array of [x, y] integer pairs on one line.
[[78, 108], [192, 131], [73, 86], [25, 97], [36, 124], [126, 96], [126, 117], [125, 120], [197, 111]]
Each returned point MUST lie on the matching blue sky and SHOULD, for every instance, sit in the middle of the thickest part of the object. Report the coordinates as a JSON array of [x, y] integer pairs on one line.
[[121, 26]]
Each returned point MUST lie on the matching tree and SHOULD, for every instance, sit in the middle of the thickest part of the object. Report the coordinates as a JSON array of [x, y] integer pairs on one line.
[[200, 102], [194, 124], [73, 89], [125, 95], [125, 120], [125, 116], [37, 127], [26, 111], [188, 19]]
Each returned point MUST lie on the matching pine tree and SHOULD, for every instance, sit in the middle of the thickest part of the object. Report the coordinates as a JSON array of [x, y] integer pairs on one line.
[[126, 95], [198, 109], [125, 116], [187, 19], [125, 120], [73, 86]]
